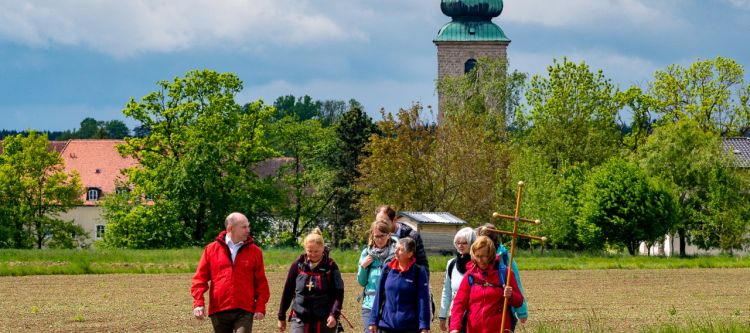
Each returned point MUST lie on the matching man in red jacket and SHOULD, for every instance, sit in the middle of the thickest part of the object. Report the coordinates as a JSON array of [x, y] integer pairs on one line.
[[239, 288]]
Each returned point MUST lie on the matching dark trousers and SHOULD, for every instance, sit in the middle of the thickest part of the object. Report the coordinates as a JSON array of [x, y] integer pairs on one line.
[[232, 321], [298, 326]]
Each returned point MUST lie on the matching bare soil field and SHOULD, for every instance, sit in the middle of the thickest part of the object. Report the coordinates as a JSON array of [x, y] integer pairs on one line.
[[587, 300]]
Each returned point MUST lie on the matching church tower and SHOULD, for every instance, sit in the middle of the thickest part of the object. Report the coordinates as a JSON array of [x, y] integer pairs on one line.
[[469, 36]]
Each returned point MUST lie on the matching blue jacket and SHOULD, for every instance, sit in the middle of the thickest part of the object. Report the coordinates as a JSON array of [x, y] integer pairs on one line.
[[405, 299], [522, 311], [370, 276]]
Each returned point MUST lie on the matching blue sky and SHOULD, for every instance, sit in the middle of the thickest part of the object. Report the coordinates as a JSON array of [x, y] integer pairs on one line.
[[62, 61]]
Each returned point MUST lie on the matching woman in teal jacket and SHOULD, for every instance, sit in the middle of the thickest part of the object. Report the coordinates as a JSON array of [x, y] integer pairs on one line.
[[379, 251]]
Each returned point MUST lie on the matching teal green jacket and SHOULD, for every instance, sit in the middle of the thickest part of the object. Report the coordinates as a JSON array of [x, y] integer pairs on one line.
[[369, 277], [522, 311]]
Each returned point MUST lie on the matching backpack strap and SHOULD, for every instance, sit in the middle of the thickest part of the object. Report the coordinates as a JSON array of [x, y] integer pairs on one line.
[[451, 266], [500, 273]]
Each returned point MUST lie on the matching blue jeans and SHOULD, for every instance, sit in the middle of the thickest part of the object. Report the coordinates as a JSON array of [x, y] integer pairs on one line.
[[366, 318]]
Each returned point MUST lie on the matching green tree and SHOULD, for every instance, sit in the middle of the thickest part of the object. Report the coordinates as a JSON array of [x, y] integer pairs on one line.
[[400, 168], [35, 189], [488, 92], [89, 129], [683, 155], [727, 217], [195, 163], [621, 205], [641, 106], [573, 111], [711, 92], [549, 196], [332, 110], [116, 129], [307, 178], [353, 131], [302, 108]]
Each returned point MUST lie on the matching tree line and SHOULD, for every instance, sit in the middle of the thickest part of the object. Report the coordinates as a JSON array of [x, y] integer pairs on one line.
[[596, 181]]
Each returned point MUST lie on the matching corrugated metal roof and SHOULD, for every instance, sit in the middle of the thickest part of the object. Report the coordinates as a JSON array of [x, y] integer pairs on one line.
[[466, 31], [740, 149], [433, 217]]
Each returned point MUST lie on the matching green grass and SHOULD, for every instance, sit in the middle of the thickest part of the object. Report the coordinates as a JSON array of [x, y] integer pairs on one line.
[[687, 327], [108, 261]]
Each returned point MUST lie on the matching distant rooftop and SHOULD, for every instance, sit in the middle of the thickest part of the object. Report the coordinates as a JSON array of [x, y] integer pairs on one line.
[[740, 149], [432, 217]]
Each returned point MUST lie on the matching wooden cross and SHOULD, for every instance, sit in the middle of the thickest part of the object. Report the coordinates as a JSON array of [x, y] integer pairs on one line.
[[515, 218], [309, 285]]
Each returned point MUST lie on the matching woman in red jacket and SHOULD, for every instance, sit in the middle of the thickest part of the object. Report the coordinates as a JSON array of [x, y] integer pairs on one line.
[[478, 305]]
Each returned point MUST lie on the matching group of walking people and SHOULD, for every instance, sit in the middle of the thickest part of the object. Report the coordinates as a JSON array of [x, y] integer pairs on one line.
[[393, 272]]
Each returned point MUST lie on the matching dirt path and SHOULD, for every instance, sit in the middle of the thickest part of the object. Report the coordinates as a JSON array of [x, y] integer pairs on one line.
[[607, 300]]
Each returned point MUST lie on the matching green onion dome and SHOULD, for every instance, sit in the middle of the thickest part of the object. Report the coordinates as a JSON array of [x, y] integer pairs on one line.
[[472, 10]]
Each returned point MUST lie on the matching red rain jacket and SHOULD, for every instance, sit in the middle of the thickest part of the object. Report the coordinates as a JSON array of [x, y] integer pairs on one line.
[[242, 285], [484, 302]]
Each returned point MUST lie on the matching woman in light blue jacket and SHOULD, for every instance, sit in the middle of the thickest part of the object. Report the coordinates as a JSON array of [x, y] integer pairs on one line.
[[454, 272], [380, 249]]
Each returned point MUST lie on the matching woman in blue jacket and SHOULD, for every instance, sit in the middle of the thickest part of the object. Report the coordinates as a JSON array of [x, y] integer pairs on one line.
[[380, 249], [402, 298]]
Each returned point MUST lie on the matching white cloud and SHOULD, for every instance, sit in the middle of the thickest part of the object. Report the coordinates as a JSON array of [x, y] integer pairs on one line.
[[583, 13], [125, 28], [742, 4], [624, 70]]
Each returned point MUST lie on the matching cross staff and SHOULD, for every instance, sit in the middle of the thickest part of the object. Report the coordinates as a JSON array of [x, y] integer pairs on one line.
[[515, 218]]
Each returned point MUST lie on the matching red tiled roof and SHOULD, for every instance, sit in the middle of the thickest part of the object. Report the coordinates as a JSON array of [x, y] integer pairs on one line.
[[57, 146], [97, 162]]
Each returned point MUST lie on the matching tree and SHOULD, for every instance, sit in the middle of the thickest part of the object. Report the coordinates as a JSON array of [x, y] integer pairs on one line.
[[641, 106], [332, 110], [573, 112], [89, 129], [683, 155], [400, 168], [307, 177], [488, 92], [141, 131], [727, 217], [35, 189], [195, 163], [353, 130], [116, 129], [302, 108], [550, 196], [621, 205], [711, 92]]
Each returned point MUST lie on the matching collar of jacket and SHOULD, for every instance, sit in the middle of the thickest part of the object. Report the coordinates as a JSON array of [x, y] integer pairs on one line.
[[395, 266], [220, 239]]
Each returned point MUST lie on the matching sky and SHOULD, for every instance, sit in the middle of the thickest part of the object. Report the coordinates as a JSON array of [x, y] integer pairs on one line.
[[63, 61]]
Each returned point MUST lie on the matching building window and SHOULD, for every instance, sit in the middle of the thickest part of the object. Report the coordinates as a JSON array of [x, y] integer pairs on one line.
[[92, 194], [99, 231], [122, 190], [469, 65]]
